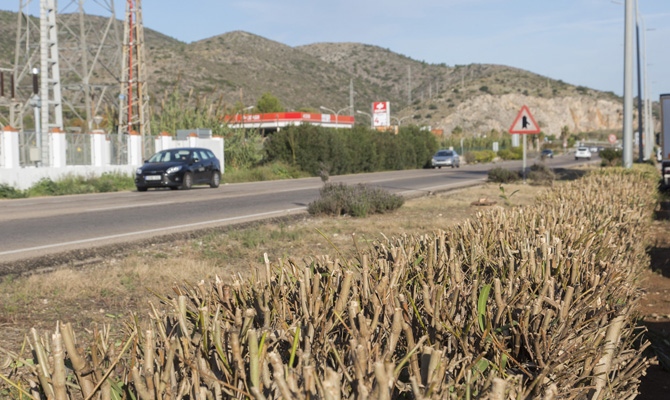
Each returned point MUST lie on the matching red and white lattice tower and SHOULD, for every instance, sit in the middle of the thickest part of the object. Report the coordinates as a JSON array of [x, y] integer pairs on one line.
[[77, 50], [134, 97]]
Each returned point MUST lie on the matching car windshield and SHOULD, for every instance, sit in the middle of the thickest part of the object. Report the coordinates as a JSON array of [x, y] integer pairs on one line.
[[446, 153], [582, 149], [170, 156]]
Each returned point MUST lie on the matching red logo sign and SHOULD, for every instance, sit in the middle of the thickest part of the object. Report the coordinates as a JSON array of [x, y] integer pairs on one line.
[[379, 106]]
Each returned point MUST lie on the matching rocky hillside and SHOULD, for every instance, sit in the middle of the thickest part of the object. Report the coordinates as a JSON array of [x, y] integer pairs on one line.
[[236, 68]]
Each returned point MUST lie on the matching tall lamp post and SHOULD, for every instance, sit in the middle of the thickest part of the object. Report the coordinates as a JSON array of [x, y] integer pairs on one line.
[[337, 114], [629, 27], [399, 121], [36, 102], [243, 110], [369, 116]]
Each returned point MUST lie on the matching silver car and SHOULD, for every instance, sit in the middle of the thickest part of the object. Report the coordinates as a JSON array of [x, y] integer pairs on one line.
[[446, 158], [583, 152]]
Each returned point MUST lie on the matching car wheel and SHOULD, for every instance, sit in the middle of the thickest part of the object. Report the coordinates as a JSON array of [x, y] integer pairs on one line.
[[453, 166], [187, 181], [142, 188], [216, 180]]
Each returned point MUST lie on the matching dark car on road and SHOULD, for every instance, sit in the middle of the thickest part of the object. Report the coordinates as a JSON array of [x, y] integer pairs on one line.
[[547, 153], [179, 168]]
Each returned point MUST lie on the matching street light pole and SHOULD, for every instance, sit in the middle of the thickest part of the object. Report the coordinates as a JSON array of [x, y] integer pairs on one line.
[[243, 110], [628, 86], [336, 113], [639, 86], [36, 102], [399, 121], [369, 116]]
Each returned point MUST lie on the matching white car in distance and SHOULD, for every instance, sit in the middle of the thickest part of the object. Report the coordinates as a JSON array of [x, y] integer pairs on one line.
[[583, 153]]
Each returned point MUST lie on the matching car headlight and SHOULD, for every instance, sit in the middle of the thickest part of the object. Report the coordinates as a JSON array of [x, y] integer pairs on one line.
[[138, 171], [172, 170]]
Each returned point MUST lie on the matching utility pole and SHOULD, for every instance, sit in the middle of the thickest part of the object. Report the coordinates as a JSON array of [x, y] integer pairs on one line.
[[134, 97], [409, 84], [351, 96], [639, 86], [628, 86], [51, 111]]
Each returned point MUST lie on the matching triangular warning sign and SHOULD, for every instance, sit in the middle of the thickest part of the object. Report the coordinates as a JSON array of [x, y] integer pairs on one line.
[[524, 123]]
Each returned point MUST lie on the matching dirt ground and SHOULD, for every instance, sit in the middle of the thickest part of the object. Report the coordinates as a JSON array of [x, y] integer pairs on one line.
[[655, 309], [63, 295]]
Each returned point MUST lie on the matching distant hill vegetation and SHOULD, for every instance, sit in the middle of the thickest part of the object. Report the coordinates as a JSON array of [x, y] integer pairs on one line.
[[237, 68]]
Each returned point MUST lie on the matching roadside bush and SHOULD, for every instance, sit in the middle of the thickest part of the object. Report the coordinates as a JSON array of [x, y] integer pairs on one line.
[[243, 149], [513, 153], [611, 156], [357, 201], [77, 184], [111, 182], [540, 174], [8, 192], [502, 175], [479, 156], [348, 151]]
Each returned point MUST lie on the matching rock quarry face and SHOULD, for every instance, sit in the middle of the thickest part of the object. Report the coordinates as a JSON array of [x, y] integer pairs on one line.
[[580, 114]]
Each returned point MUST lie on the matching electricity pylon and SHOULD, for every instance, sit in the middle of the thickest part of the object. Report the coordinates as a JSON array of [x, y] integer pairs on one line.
[[134, 97], [76, 53]]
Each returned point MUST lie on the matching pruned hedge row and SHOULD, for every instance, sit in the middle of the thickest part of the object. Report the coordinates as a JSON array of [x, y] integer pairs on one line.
[[346, 151], [535, 302]]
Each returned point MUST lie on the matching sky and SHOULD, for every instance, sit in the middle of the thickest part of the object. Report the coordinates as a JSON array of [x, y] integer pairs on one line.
[[580, 42]]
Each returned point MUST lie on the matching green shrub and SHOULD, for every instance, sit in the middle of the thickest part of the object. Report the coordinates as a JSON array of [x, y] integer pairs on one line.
[[348, 151], [77, 184], [502, 175], [480, 156], [611, 156], [8, 192], [512, 153], [357, 201], [112, 182]]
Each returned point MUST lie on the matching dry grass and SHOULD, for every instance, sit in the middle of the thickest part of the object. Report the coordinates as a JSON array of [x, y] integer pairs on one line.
[[430, 293], [110, 290]]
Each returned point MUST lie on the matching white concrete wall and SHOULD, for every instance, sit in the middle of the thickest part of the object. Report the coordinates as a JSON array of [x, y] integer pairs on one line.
[[24, 178]]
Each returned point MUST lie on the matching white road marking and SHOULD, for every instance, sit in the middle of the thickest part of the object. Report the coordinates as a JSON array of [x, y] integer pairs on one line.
[[130, 206], [121, 235]]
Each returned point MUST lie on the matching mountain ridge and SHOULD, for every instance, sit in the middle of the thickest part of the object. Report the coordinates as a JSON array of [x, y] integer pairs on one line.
[[238, 67]]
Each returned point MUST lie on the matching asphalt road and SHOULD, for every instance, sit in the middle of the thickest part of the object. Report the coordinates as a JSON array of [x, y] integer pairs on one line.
[[35, 228]]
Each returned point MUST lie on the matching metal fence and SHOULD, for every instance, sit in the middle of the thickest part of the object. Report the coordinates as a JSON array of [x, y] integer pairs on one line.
[[118, 149], [148, 147], [29, 153], [77, 149]]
